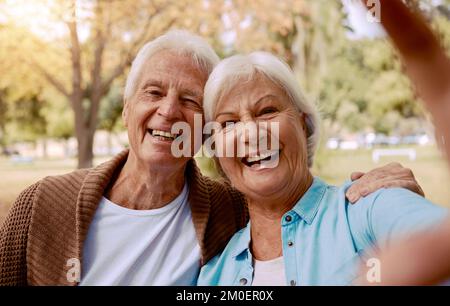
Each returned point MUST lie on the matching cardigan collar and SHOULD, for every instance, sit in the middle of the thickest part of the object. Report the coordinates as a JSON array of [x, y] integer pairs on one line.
[[98, 179]]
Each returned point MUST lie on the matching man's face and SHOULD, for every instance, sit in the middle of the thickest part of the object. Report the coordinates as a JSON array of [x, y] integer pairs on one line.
[[169, 90]]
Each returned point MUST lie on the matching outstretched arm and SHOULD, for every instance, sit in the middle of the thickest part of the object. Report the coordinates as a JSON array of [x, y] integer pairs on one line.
[[424, 59], [423, 259]]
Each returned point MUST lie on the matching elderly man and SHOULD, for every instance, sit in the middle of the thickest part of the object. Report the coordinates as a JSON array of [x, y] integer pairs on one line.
[[145, 217]]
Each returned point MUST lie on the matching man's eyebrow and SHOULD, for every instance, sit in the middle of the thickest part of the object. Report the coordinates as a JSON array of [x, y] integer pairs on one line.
[[150, 83], [192, 93]]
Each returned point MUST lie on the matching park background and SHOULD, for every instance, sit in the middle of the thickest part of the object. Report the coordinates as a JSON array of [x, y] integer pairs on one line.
[[63, 65]]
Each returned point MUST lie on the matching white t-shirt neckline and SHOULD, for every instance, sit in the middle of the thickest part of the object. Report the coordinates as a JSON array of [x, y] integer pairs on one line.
[[147, 212]]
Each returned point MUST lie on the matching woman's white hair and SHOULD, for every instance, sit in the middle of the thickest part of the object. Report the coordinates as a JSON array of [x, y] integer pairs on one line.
[[240, 68], [178, 41]]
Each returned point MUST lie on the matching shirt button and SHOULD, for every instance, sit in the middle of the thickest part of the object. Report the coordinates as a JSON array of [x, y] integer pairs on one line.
[[288, 218], [290, 243], [243, 281], [293, 283]]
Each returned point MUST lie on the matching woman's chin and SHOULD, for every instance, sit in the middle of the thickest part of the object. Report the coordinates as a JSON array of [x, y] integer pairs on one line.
[[263, 181]]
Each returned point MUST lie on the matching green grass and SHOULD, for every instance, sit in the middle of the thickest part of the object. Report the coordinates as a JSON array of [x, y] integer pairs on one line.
[[430, 170], [333, 166]]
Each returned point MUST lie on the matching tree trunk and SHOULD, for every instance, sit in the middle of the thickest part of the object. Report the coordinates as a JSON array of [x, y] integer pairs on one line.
[[85, 141]]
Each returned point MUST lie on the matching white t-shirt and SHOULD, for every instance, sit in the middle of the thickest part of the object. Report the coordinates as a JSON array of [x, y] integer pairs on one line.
[[269, 272], [141, 247]]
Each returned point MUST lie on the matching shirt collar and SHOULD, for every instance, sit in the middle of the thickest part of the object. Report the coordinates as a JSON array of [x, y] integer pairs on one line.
[[243, 241], [308, 205], [306, 208]]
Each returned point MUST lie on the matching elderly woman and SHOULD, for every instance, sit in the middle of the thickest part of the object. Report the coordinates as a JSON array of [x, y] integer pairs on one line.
[[302, 231]]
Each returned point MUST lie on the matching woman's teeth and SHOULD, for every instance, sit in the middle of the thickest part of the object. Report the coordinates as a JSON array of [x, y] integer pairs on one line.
[[249, 161], [158, 133]]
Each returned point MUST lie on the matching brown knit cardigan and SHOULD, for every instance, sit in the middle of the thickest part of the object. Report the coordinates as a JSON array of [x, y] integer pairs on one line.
[[49, 221]]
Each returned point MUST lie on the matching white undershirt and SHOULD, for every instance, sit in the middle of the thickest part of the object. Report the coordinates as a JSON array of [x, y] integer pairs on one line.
[[141, 247], [269, 273]]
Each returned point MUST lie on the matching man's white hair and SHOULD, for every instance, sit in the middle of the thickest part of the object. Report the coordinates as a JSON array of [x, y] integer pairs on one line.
[[179, 42], [241, 68]]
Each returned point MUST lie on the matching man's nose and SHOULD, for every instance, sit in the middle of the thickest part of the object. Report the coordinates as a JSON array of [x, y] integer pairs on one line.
[[170, 107]]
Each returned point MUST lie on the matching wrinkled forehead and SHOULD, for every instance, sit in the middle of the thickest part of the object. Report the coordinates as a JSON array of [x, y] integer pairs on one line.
[[246, 90], [169, 66]]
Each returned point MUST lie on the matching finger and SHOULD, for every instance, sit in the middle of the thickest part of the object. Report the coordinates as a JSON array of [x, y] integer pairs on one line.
[[411, 185], [359, 190], [356, 175], [353, 194], [389, 183], [391, 170]]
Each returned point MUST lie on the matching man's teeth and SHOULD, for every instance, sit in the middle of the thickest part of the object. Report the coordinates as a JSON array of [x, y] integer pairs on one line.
[[163, 134], [260, 157]]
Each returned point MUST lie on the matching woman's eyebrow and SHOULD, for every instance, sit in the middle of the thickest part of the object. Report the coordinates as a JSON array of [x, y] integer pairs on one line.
[[260, 100], [224, 114]]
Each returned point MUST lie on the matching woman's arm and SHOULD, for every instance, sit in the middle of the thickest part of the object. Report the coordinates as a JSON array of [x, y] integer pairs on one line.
[[424, 59], [423, 259]]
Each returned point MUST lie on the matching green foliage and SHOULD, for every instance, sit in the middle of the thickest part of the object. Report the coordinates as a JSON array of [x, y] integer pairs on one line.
[[28, 122], [358, 84], [111, 110]]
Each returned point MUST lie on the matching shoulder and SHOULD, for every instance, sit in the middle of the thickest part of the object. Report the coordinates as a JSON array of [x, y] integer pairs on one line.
[[392, 201], [225, 201], [59, 190], [71, 180], [389, 213], [20, 212], [222, 268], [31, 197]]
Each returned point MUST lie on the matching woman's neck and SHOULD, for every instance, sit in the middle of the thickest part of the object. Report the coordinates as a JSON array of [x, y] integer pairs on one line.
[[265, 216], [142, 188]]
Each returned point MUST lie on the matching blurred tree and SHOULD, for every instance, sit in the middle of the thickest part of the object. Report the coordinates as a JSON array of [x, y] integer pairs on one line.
[[305, 33], [3, 119], [96, 41], [111, 113], [27, 121]]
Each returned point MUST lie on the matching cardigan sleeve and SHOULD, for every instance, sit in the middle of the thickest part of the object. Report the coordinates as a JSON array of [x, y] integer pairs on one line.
[[14, 238]]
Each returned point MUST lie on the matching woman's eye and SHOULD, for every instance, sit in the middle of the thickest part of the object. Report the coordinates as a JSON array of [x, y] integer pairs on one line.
[[228, 123], [267, 110]]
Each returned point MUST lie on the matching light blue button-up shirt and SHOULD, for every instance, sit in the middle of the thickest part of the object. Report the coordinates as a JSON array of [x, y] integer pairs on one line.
[[326, 239]]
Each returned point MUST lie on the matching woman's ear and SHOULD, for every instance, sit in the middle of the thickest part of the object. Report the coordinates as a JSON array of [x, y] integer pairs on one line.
[[302, 118], [125, 113]]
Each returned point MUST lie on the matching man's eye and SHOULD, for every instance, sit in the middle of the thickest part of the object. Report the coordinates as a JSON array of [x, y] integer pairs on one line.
[[154, 93], [190, 101]]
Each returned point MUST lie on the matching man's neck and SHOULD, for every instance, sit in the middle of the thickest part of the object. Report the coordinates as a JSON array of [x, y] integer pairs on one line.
[[152, 188]]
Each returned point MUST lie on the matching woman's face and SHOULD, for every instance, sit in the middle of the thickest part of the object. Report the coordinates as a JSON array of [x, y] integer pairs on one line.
[[262, 101]]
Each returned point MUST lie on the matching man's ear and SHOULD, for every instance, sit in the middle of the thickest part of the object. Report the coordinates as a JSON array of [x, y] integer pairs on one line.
[[125, 111]]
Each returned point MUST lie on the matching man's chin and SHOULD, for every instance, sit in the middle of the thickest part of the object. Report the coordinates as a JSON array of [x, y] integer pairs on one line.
[[160, 158]]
